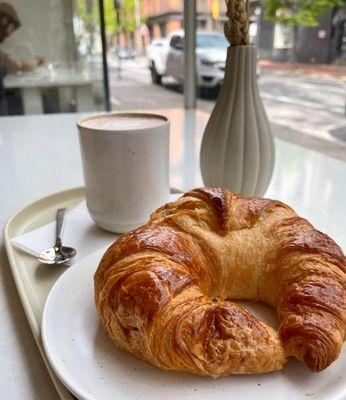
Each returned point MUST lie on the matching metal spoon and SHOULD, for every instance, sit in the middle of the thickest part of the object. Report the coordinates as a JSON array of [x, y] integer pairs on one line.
[[58, 254]]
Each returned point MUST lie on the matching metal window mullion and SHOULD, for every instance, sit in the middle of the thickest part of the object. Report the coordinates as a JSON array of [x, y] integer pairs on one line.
[[104, 57], [190, 80]]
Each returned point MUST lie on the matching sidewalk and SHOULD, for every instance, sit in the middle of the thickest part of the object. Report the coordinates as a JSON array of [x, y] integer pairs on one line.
[[331, 71]]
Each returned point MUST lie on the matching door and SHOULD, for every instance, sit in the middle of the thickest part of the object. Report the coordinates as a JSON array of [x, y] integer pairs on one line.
[[175, 58]]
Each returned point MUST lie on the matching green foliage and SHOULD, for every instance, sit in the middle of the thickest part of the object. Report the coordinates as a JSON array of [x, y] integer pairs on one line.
[[298, 12], [110, 17], [88, 12], [127, 17]]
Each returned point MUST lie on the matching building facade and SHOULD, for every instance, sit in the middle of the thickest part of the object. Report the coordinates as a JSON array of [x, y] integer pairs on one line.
[[165, 16], [324, 43]]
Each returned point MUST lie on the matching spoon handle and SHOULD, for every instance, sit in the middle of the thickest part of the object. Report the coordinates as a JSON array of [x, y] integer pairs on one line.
[[60, 216]]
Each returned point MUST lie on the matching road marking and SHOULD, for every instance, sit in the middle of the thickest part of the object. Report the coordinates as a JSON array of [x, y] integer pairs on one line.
[[289, 100], [306, 85], [322, 87]]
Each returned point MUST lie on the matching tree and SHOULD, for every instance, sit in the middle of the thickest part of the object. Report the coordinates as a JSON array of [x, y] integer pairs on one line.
[[298, 12], [87, 14], [88, 11]]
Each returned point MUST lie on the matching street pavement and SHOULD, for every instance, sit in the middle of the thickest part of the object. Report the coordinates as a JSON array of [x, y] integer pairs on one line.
[[303, 109]]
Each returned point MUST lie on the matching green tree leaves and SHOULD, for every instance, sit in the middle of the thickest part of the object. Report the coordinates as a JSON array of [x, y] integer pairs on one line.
[[298, 12], [88, 11]]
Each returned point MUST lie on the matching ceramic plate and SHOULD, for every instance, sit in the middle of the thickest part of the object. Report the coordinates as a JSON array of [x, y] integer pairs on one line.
[[91, 367]]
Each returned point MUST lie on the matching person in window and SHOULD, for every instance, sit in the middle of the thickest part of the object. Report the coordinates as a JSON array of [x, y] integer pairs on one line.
[[9, 23]]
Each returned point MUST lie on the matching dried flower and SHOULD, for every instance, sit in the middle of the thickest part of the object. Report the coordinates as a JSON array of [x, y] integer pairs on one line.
[[237, 27]]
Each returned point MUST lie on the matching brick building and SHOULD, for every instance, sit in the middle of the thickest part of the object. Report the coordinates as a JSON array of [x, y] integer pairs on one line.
[[165, 16]]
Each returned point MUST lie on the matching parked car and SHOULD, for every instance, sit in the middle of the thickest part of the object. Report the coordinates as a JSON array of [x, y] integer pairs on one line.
[[157, 57], [166, 58], [124, 52]]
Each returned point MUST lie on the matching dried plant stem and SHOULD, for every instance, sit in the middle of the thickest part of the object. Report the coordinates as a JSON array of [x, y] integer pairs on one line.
[[237, 27], [248, 9]]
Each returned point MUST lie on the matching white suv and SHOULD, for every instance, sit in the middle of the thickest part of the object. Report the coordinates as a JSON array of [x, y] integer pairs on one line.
[[166, 58]]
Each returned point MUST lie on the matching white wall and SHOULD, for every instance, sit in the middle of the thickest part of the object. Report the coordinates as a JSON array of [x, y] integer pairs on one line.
[[43, 31]]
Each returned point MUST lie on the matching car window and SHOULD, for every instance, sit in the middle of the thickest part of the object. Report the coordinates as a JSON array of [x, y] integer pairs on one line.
[[173, 40], [176, 42], [211, 41]]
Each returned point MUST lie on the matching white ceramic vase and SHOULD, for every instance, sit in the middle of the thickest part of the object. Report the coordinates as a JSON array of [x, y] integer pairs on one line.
[[237, 150]]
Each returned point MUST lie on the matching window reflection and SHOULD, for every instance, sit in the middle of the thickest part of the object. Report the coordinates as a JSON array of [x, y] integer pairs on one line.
[[50, 61]]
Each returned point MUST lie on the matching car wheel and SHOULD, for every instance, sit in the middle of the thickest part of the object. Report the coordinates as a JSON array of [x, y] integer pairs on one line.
[[155, 76]]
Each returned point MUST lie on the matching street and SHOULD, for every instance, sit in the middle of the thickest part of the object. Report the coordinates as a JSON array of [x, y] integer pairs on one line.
[[306, 110]]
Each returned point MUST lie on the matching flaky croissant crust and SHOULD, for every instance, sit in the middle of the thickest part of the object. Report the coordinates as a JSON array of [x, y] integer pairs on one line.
[[162, 291]]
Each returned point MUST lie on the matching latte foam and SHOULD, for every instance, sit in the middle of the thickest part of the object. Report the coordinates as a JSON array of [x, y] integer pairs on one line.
[[122, 122]]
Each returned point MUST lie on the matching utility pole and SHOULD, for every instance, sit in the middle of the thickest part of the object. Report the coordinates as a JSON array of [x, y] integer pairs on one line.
[[190, 81]]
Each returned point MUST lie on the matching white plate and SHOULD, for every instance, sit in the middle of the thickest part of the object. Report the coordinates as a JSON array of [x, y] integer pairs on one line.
[[91, 367]]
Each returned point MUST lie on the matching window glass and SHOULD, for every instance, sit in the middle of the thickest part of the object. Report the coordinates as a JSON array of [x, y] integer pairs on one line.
[[212, 41], [146, 28], [50, 57]]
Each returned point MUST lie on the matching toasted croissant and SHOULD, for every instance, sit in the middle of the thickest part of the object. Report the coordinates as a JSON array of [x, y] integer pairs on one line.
[[162, 290]]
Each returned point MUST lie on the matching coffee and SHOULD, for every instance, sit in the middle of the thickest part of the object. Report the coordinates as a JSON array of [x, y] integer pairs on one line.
[[123, 122], [125, 160]]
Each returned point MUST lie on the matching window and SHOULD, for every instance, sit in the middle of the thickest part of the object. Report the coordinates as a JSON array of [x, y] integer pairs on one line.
[[53, 63], [177, 42], [211, 41]]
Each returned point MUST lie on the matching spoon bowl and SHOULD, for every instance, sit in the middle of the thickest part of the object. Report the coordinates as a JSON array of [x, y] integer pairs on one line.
[[58, 254]]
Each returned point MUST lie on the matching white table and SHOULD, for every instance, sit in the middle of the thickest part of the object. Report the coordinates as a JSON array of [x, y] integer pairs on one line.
[[40, 155], [32, 83]]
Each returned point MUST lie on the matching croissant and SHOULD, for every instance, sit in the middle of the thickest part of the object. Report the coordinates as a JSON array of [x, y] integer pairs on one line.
[[162, 291]]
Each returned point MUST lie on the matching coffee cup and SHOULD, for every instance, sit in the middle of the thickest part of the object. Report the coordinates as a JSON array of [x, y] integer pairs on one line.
[[125, 158]]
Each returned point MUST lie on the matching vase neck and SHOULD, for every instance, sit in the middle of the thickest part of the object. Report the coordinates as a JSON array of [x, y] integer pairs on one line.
[[242, 55]]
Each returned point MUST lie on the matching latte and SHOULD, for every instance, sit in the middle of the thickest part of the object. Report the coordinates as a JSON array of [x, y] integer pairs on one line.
[[121, 122]]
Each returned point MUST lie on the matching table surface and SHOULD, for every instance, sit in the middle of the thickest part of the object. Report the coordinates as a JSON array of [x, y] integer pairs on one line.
[[39, 155], [58, 76]]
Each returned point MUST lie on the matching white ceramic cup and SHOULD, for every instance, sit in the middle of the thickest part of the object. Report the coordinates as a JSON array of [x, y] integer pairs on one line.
[[125, 159]]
